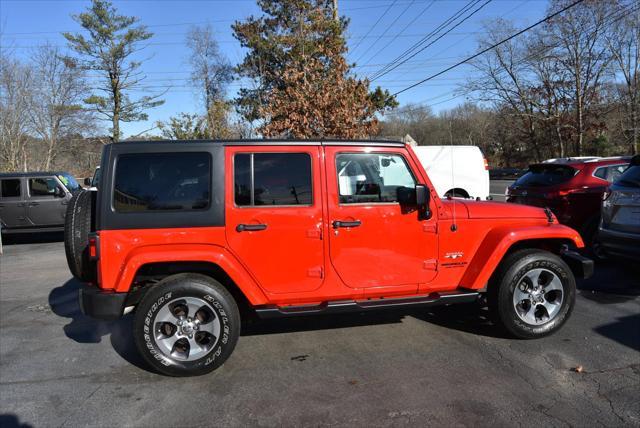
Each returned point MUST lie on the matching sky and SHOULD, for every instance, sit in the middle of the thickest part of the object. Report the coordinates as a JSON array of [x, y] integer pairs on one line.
[[379, 31]]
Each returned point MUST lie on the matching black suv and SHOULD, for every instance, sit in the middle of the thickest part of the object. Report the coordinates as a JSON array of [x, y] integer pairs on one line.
[[35, 201]]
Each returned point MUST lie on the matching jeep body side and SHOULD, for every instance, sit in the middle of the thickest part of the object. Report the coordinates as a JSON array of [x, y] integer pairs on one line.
[[303, 227]]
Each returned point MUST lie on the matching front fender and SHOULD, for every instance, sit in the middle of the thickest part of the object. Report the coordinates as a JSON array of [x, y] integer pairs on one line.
[[190, 253], [498, 241]]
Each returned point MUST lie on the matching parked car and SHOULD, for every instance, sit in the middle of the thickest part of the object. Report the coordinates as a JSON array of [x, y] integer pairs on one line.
[[35, 201], [186, 234], [571, 187], [460, 171], [619, 233], [92, 182]]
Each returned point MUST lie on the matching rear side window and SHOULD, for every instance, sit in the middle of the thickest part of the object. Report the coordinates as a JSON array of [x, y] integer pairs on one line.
[[546, 175], [268, 179], [43, 187], [610, 173], [162, 182], [10, 188]]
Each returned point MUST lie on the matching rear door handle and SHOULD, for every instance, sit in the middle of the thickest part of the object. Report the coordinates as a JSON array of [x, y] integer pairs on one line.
[[250, 227], [33, 204], [340, 223]]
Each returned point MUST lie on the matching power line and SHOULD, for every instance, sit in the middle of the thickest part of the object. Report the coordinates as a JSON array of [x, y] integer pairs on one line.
[[385, 31], [375, 24], [407, 58], [477, 54], [401, 32], [430, 34]]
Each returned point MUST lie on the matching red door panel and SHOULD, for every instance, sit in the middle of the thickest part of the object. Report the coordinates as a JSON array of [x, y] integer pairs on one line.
[[276, 230], [383, 244]]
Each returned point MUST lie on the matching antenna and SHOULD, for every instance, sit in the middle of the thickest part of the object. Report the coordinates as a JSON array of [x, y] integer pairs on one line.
[[454, 226]]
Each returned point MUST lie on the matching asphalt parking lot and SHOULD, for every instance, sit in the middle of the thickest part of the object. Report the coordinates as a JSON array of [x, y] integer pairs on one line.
[[446, 366]]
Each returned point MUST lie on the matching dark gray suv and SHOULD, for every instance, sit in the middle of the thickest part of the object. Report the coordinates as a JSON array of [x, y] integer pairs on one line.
[[619, 232], [35, 201]]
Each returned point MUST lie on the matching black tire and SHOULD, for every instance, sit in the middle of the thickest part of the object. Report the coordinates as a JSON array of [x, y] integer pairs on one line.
[[148, 328], [512, 273], [78, 223]]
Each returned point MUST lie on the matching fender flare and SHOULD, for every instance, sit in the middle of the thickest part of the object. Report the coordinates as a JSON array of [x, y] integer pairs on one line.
[[498, 241], [214, 254]]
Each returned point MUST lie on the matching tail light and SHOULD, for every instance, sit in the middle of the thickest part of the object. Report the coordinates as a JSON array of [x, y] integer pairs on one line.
[[486, 164], [562, 194], [93, 246]]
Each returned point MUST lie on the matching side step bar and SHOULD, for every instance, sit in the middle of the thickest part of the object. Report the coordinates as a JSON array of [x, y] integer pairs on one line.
[[346, 306]]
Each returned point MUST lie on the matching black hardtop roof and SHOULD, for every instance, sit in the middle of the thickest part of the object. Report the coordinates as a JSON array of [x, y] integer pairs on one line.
[[277, 142], [31, 173]]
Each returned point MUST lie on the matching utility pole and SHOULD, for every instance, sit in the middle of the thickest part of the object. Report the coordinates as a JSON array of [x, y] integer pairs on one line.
[[335, 10]]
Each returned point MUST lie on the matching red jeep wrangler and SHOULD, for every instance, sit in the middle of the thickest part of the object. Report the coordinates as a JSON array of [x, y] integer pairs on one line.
[[189, 232]]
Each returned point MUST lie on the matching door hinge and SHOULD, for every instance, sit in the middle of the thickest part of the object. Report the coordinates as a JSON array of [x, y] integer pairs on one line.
[[430, 227], [315, 272], [431, 264]]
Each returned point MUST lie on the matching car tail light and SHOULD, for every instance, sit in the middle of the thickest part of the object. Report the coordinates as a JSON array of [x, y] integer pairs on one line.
[[559, 194], [93, 246], [486, 164]]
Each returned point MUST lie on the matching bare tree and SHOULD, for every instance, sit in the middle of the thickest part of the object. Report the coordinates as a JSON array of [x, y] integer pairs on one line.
[[16, 86], [211, 72], [624, 45], [55, 107], [579, 40]]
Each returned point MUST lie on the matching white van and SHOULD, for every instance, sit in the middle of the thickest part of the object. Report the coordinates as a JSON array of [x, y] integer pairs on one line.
[[470, 178]]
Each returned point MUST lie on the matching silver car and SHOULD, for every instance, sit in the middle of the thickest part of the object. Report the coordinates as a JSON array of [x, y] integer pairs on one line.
[[619, 233], [35, 201]]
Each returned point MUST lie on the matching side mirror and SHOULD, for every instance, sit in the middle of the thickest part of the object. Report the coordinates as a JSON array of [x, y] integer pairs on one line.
[[422, 201], [87, 181], [406, 196], [59, 193]]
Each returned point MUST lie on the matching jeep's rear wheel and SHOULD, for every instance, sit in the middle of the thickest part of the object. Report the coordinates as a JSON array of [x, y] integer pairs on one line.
[[186, 325], [532, 293]]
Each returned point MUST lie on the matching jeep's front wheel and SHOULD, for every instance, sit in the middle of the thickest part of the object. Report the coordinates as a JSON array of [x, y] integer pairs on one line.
[[186, 325], [532, 293]]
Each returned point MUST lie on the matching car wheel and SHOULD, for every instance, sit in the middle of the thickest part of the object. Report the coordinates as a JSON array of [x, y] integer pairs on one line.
[[186, 325], [532, 293]]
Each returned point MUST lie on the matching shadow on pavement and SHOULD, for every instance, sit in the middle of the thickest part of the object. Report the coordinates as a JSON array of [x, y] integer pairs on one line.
[[626, 331], [32, 238], [470, 318], [611, 283], [83, 329], [9, 420]]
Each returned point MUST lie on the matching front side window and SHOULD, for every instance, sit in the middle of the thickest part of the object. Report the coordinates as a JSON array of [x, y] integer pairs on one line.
[[44, 187], [69, 181], [10, 188], [372, 177], [268, 179], [162, 182]]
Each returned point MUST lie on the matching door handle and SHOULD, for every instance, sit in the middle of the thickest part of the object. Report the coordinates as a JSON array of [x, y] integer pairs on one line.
[[64, 203], [33, 204], [340, 223], [250, 227]]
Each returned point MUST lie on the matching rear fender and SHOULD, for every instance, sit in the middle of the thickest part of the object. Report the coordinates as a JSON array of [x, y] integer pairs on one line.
[[498, 241], [190, 253]]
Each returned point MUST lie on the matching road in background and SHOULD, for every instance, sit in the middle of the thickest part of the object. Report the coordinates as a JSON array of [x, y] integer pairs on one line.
[[446, 366], [497, 188]]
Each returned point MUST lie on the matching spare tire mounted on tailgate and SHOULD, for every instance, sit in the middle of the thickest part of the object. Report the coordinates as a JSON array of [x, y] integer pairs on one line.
[[77, 226]]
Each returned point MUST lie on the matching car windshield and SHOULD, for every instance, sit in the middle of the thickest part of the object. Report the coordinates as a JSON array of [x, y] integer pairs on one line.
[[630, 178], [69, 181], [541, 175]]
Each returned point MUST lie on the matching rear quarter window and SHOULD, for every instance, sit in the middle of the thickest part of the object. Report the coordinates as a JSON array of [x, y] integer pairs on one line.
[[546, 175], [162, 182]]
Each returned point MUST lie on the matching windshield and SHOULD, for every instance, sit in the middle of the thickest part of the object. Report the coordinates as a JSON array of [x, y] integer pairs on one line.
[[630, 178], [69, 182], [546, 175]]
